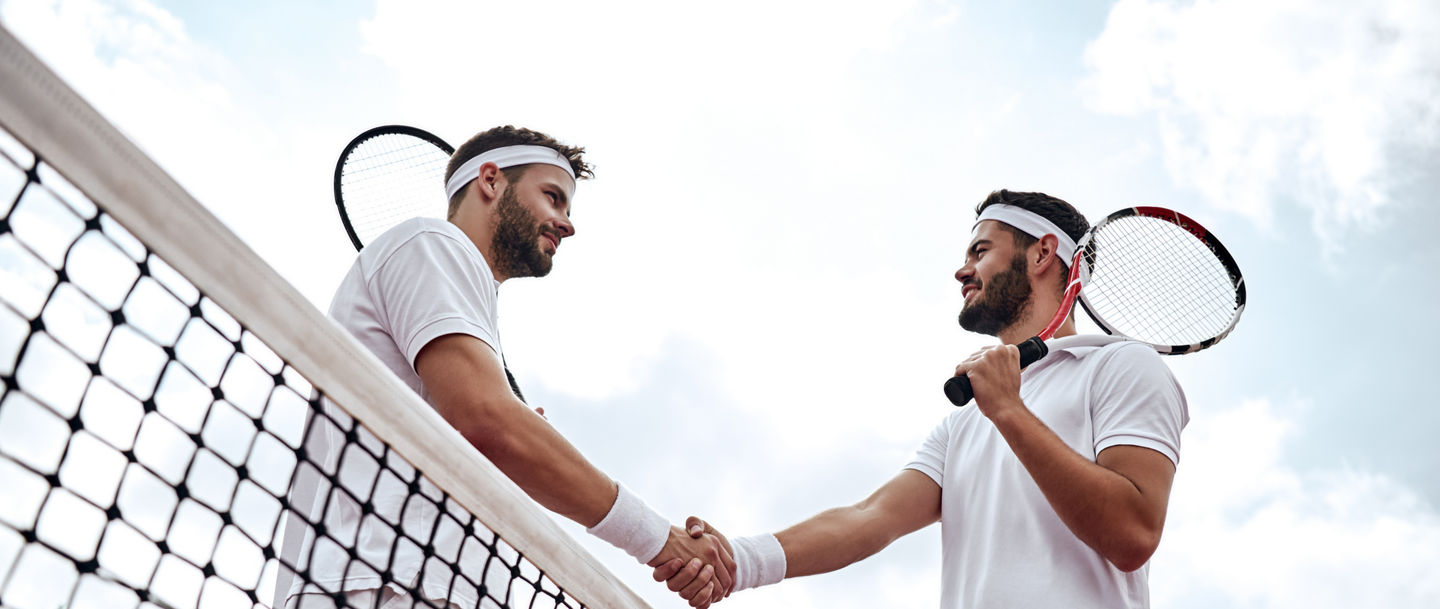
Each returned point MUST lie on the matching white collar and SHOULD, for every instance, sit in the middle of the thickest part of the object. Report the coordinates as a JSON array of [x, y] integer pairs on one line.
[[1080, 345]]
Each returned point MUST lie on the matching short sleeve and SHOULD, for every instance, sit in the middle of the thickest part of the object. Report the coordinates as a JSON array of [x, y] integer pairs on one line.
[[1135, 400], [432, 285], [929, 459]]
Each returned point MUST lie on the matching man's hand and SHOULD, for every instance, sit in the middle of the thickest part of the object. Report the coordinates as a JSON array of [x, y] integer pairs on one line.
[[696, 580], [995, 376]]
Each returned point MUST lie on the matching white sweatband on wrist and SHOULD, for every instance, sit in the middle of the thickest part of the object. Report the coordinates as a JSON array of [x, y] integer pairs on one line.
[[633, 527], [1032, 224], [759, 561]]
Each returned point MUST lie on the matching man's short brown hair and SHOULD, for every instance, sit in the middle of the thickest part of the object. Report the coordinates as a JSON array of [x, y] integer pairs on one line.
[[510, 135]]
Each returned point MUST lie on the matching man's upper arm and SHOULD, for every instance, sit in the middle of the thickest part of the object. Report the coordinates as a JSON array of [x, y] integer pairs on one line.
[[464, 378], [1152, 473], [1140, 411], [907, 503], [438, 301], [430, 286], [1137, 402]]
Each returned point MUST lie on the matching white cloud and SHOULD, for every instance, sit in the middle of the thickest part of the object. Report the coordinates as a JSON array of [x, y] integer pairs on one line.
[[180, 101], [157, 84], [1247, 530], [571, 54], [724, 209], [1314, 103]]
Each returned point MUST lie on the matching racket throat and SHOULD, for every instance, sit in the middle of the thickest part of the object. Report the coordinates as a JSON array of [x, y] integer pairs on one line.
[[1062, 314]]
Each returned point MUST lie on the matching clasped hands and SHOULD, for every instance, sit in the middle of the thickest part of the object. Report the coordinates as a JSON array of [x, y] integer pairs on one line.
[[697, 562]]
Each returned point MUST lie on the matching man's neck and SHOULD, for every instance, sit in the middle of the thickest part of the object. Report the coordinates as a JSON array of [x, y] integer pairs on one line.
[[482, 236], [1038, 315]]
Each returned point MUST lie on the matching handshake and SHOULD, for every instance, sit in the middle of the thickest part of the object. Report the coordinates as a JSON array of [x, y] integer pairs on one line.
[[697, 562], [715, 566]]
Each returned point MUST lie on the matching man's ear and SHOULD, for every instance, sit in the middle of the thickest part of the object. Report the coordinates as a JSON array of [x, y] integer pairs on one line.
[[1043, 255], [489, 183]]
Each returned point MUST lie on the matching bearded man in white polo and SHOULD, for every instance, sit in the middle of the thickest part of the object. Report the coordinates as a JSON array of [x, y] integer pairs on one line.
[[1051, 489]]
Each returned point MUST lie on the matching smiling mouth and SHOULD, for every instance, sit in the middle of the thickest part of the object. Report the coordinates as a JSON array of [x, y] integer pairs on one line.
[[968, 290], [553, 240]]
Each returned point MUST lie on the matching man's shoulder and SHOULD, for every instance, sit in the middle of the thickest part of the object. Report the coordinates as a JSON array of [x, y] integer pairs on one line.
[[1104, 354], [416, 228], [1082, 346], [426, 239]]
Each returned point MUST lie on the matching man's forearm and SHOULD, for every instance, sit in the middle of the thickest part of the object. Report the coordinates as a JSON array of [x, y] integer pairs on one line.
[[828, 541], [467, 385], [842, 536], [543, 464]]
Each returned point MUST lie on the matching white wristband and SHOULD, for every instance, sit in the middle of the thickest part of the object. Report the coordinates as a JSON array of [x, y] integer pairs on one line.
[[759, 561], [633, 527]]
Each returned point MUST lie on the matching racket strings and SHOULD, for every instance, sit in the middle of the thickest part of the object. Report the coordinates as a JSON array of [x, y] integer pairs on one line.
[[1171, 303], [391, 178], [1154, 281], [1171, 310]]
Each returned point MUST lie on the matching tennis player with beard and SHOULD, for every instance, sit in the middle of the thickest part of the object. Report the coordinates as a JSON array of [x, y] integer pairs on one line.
[[423, 298], [1052, 489]]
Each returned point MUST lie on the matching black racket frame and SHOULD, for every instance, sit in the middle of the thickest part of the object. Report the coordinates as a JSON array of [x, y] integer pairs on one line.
[[355, 143]]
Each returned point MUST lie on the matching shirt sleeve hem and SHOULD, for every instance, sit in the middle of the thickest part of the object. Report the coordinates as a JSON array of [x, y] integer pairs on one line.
[[1141, 441], [442, 327], [928, 470]]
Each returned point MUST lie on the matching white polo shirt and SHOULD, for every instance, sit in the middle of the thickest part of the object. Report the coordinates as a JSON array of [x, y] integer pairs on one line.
[[1003, 545], [420, 280]]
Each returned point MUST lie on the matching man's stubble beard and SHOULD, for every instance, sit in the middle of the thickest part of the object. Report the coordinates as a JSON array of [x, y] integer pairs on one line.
[[1002, 301], [516, 244]]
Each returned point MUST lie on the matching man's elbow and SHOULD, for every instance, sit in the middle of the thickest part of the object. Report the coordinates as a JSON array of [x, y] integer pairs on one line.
[[1133, 553], [1131, 562], [486, 427]]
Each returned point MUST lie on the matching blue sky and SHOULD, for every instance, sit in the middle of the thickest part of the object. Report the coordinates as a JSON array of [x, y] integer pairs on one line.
[[757, 313]]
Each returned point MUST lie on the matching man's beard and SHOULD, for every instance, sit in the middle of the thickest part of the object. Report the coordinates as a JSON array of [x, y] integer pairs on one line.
[[1001, 301], [516, 244]]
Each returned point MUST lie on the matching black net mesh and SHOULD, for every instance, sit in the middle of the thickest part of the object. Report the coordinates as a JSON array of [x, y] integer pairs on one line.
[[155, 453]]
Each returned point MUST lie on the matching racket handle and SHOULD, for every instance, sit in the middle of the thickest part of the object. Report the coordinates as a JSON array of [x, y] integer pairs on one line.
[[958, 387]]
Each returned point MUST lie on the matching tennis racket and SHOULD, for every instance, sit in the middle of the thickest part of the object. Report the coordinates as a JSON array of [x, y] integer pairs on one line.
[[1148, 274], [387, 175]]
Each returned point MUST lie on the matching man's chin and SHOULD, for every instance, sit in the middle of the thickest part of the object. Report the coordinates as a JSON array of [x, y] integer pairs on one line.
[[975, 322], [535, 268]]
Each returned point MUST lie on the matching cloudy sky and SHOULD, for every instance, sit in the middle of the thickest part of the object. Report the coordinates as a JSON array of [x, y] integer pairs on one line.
[[756, 315]]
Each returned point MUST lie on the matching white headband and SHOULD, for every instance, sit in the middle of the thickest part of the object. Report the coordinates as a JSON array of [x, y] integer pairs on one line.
[[503, 157], [1032, 224]]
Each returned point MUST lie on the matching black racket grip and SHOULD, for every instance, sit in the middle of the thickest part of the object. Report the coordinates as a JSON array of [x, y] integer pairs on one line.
[[958, 387]]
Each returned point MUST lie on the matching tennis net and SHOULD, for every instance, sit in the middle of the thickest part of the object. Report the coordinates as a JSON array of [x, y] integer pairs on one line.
[[180, 428]]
